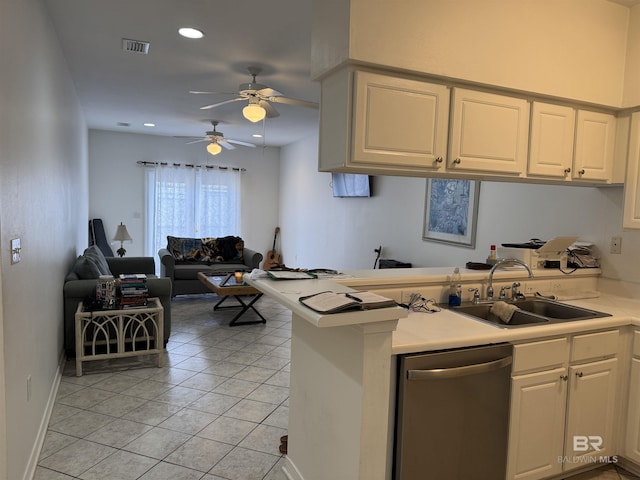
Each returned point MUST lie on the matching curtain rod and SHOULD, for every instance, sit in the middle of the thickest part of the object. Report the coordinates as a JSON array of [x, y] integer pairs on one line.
[[189, 165]]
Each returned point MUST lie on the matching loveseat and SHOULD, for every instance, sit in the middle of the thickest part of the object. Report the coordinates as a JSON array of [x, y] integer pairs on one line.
[[184, 257], [81, 281]]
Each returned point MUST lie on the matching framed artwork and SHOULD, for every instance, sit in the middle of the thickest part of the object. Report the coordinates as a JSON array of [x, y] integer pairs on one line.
[[451, 211]]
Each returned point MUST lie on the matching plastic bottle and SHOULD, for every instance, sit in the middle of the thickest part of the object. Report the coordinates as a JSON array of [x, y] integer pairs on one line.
[[455, 288], [492, 258]]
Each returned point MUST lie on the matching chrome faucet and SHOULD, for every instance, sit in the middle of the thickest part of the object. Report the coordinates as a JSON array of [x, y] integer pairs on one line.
[[498, 264]]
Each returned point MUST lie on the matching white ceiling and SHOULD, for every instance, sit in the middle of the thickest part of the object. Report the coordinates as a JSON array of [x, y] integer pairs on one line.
[[115, 86]]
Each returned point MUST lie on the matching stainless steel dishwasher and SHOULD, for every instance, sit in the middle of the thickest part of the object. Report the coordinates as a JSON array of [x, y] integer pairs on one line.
[[452, 414]]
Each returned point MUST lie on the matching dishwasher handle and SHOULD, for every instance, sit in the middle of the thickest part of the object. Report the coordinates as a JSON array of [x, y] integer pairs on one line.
[[454, 372]]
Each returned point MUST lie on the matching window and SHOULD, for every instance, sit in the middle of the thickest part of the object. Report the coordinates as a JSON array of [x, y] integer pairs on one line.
[[185, 201]]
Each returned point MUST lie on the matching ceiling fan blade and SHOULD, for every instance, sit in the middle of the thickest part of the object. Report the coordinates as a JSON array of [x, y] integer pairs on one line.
[[212, 93], [238, 142], [198, 141], [225, 143], [293, 101], [271, 111], [269, 92], [207, 107]]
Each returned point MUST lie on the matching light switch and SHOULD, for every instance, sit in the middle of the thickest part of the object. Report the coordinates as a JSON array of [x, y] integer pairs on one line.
[[15, 250]]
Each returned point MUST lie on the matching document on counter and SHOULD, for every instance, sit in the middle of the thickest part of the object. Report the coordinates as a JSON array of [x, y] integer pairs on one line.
[[331, 302], [289, 275]]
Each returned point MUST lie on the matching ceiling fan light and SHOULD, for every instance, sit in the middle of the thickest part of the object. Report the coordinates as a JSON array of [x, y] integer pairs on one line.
[[213, 148], [253, 112]]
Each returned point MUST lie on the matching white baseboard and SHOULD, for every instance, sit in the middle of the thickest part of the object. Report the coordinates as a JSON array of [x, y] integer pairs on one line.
[[290, 471], [44, 422]]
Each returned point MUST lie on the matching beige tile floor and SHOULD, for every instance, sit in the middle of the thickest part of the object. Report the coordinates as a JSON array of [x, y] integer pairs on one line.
[[215, 411]]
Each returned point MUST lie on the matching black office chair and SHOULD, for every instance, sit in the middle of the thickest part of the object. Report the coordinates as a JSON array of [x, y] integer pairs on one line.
[[98, 237]]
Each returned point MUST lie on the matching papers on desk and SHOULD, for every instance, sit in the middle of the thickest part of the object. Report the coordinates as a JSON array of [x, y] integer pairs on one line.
[[290, 275], [331, 302]]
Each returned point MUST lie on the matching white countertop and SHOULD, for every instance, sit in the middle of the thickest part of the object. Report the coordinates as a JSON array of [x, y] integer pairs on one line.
[[446, 329], [417, 332], [287, 293]]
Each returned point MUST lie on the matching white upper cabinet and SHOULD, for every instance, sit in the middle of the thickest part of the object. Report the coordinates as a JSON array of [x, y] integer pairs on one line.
[[489, 133], [399, 121], [595, 146], [552, 136], [631, 217]]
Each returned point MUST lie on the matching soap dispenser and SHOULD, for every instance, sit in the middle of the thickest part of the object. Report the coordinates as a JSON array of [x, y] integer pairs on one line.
[[455, 288]]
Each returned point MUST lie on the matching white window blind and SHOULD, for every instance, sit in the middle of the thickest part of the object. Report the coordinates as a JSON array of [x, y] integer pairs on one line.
[[187, 201]]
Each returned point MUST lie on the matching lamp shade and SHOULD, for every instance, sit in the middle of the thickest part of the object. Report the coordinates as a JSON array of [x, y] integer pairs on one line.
[[254, 112], [121, 234], [213, 148]]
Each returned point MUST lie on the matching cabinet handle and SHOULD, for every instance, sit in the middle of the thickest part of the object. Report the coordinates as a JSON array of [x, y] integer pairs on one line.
[[564, 377], [579, 374], [567, 170], [581, 172], [457, 161], [438, 160]]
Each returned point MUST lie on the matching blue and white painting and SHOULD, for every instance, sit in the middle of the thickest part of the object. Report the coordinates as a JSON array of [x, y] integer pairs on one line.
[[450, 211]]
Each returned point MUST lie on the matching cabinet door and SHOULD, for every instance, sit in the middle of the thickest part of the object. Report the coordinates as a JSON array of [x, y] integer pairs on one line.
[[536, 427], [595, 144], [489, 132], [552, 136], [632, 441], [399, 122], [631, 216], [590, 411]]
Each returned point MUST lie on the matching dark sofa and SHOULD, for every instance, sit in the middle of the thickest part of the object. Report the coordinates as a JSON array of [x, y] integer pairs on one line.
[[81, 281], [185, 257]]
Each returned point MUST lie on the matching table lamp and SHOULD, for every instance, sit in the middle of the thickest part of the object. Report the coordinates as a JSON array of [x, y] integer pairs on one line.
[[122, 236]]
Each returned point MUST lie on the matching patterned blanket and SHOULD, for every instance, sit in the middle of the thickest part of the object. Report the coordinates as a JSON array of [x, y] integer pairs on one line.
[[208, 250]]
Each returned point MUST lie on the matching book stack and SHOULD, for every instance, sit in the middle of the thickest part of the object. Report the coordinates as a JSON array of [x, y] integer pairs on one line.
[[133, 290]]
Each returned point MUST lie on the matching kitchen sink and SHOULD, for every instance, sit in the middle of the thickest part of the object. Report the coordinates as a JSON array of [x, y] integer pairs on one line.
[[536, 311], [556, 310]]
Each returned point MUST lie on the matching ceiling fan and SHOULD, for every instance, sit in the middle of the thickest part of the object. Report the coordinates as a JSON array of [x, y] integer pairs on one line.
[[259, 99], [217, 140]]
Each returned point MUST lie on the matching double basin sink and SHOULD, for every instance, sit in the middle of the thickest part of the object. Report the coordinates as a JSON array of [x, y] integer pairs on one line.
[[530, 312]]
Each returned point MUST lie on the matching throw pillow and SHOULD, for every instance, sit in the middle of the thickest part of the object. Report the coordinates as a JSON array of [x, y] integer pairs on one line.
[[85, 269], [184, 248], [94, 254]]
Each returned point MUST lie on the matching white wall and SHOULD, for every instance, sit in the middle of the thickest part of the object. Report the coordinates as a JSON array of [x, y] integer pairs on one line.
[[498, 42], [117, 183], [321, 231], [43, 199]]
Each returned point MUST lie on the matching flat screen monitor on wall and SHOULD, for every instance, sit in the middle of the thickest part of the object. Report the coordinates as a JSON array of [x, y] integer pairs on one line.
[[351, 185]]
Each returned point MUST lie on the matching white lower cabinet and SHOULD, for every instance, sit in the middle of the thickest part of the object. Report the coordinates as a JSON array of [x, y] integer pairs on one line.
[[538, 404], [562, 404], [590, 412], [632, 437]]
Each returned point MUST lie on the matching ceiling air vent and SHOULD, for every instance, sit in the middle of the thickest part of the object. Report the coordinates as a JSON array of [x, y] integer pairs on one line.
[[136, 46]]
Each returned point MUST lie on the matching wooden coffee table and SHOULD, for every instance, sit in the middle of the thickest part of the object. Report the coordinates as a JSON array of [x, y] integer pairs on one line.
[[225, 286]]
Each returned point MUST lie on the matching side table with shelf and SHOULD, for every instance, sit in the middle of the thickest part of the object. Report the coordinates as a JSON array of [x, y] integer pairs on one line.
[[107, 334]]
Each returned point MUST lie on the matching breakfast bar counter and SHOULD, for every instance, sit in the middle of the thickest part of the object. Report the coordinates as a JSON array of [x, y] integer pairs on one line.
[[343, 366]]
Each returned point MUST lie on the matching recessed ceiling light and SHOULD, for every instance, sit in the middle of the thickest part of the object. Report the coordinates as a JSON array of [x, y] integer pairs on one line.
[[256, 135], [149, 124], [190, 32]]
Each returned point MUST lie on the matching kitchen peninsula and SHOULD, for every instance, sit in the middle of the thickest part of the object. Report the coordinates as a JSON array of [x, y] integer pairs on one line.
[[343, 366]]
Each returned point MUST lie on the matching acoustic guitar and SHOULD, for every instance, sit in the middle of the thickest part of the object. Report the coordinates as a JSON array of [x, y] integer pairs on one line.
[[272, 259]]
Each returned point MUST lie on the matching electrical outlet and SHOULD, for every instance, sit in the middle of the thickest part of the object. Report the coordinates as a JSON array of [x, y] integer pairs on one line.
[[15, 250], [616, 245]]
